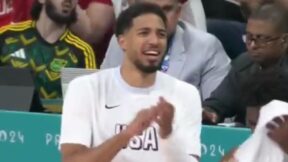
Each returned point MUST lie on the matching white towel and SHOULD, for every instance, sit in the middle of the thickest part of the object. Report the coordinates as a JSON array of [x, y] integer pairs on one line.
[[259, 147]]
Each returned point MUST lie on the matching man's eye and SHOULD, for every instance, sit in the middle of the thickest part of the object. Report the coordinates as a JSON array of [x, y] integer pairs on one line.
[[143, 33], [167, 9], [162, 35]]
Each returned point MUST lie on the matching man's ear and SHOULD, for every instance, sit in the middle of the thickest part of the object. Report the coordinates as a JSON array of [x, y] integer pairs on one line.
[[179, 10], [284, 41], [122, 42], [285, 38]]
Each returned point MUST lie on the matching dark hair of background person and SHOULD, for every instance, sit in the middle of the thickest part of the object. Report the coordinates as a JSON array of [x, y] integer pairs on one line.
[[274, 14], [125, 19], [51, 12], [36, 10]]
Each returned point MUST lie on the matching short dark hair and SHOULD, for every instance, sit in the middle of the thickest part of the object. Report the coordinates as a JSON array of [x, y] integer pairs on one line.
[[125, 19], [265, 86], [274, 14], [36, 10]]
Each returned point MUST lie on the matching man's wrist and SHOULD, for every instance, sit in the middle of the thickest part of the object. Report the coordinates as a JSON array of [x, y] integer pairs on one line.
[[125, 136], [165, 133], [211, 115], [286, 150]]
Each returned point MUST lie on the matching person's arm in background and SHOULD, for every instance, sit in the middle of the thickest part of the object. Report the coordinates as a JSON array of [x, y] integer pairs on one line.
[[223, 101], [21, 10], [93, 22], [215, 69], [114, 55], [193, 12]]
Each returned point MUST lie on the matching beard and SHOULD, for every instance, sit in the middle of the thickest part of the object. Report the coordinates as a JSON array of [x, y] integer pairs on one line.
[[51, 12], [147, 69]]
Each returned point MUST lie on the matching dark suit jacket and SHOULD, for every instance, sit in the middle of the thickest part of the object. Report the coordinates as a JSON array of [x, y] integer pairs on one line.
[[226, 99]]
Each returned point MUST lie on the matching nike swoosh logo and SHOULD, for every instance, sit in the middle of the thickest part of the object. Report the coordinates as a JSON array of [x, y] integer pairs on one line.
[[111, 107]]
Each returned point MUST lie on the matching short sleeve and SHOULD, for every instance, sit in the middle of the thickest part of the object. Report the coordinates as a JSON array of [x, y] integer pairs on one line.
[[189, 125], [76, 124], [185, 140]]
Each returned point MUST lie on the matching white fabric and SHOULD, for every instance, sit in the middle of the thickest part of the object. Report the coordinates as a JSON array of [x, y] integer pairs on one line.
[[192, 12], [86, 121], [196, 57], [259, 147]]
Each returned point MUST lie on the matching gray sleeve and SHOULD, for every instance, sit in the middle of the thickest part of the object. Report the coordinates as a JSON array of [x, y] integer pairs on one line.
[[215, 69], [285, 157], [114, 55], [193, 12]]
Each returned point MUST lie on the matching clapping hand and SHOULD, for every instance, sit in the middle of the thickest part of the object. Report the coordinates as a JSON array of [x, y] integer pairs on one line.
[[162, 114], [278, 131]]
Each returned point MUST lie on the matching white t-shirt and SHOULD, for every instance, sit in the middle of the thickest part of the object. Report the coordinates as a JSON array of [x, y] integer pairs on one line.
[[100, 105]]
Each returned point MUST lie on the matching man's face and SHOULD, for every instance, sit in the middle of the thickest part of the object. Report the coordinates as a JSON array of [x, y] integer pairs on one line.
[[145, 42], [264, 42], [252, 116], [61, 11], [172, 10]]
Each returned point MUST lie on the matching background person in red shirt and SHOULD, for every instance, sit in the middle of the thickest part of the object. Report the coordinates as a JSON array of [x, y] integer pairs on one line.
[[95, 24], [6, 11], [91, 26]]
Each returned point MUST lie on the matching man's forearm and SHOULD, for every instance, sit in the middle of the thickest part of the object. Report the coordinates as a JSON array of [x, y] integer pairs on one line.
[[102, 153], [94, 22]]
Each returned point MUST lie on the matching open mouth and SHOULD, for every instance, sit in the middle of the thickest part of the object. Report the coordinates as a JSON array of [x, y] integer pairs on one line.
[[152, 54], [67, 6]]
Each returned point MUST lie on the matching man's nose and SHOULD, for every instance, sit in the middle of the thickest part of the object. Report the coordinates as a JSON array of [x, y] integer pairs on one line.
[[154, 39], [253, 44]]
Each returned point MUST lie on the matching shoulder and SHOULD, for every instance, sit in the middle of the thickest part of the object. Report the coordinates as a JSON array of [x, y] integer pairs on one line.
[[196, 35], [82, 81], [198, 41], [242, 62], [202, 46], [177, 86], [17, 27], [76, 42], [92, 79]]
